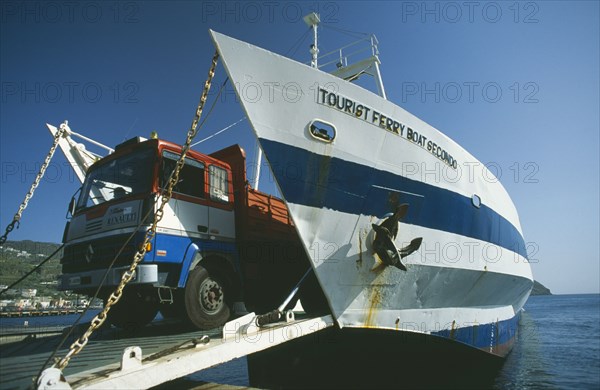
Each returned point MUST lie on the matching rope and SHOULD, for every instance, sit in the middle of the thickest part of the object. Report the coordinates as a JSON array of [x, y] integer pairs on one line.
[[297, 44], [354, 34], [219, 132]]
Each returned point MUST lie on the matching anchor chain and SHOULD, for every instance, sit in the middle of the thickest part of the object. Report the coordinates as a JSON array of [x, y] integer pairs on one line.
[[80, 343], [17, 218]]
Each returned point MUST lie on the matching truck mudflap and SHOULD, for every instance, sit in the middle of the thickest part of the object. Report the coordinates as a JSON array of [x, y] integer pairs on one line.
[[144, 274]]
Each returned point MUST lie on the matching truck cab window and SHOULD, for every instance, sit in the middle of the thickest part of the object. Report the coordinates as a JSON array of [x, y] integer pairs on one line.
[[191, 176], [117, 178], [219, 184]]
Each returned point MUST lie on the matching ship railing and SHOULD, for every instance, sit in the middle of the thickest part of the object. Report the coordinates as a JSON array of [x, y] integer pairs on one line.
[[368, 65], [340, 56]]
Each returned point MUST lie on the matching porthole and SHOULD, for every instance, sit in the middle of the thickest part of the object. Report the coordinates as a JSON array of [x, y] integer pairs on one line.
[[322, 131], [476, 200]]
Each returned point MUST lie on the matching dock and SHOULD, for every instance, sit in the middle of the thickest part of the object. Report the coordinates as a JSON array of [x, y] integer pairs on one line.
[[158, 353], [39, 313]]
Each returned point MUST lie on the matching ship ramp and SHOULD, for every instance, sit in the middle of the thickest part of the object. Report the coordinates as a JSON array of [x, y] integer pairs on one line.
[[159, 353]]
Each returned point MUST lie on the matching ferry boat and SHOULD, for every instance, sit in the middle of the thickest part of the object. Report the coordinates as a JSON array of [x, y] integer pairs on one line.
[[416, 279], [399, 253]]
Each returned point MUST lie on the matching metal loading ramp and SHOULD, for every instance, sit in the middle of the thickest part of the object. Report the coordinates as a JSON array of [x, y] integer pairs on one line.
[[239, 338]]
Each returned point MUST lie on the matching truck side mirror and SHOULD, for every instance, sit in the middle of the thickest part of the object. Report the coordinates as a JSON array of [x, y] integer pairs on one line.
[[72, 204], [71, 209]]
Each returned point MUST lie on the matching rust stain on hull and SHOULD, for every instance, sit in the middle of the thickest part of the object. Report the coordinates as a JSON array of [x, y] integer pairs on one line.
[[359, 261], [374, 302]]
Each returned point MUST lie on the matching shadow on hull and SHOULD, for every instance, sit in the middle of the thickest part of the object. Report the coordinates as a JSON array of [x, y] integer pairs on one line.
[[359, 358]]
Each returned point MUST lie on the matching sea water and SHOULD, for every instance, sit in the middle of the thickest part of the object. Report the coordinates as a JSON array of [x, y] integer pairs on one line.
[[558, 345]]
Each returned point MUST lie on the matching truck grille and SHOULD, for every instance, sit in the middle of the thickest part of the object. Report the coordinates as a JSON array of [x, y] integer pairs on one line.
[[93, 226], [98, 253]]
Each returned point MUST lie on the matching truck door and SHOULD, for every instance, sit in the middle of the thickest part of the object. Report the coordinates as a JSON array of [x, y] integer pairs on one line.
[[186, 215], [221, 214]]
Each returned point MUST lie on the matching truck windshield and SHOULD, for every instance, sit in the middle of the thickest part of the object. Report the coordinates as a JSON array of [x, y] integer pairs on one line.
[[123, 176]]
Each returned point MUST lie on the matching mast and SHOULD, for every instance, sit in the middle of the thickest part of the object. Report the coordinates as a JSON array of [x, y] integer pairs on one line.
[[313, 20]]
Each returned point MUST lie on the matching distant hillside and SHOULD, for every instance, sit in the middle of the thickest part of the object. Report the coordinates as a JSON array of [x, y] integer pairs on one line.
[[19, 257], [33, 247], [540, 289]]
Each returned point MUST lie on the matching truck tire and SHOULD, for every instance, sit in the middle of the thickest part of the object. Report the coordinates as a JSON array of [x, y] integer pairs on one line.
[[134, 310], [205, 299]]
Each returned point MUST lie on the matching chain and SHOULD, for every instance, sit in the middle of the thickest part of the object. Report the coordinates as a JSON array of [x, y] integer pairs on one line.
[[80, 343], [17, 218]]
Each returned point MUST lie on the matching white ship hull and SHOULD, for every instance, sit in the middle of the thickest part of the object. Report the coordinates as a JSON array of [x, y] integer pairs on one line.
[[469, 278]]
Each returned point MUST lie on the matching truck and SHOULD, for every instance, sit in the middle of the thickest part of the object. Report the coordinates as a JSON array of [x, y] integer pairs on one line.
[[221, 245]]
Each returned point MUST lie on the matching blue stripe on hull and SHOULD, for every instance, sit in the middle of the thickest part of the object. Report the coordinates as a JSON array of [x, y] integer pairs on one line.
[[319, 181], [495, 338]]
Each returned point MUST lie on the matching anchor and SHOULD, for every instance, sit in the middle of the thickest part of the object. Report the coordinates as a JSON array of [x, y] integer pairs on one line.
[[386, 232]]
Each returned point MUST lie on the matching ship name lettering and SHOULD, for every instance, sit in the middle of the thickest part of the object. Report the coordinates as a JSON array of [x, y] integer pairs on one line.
[[383, 121], [344, 104], [359, 111], [386, 123], [441, 154]]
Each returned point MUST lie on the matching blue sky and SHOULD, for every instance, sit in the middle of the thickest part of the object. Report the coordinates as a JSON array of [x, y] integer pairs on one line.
[[516, 83]]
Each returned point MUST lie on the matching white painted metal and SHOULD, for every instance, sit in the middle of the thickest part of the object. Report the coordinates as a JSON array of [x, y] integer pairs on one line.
[[467, 288], [117, 217], [104, 234], [183, 217], [241, 337], [313, 20], [378, 80], [131, 359], [78, 157], [221, 223], [286, 116], [258, 166], [93, 142], [52, 379], [364, 293], [368, 66]]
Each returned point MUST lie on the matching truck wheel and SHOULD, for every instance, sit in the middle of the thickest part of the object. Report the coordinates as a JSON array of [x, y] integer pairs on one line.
[[134, 310], [205, 299]]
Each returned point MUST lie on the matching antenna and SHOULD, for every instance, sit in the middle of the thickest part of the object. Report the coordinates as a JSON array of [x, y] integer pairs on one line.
[[313, 20]]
